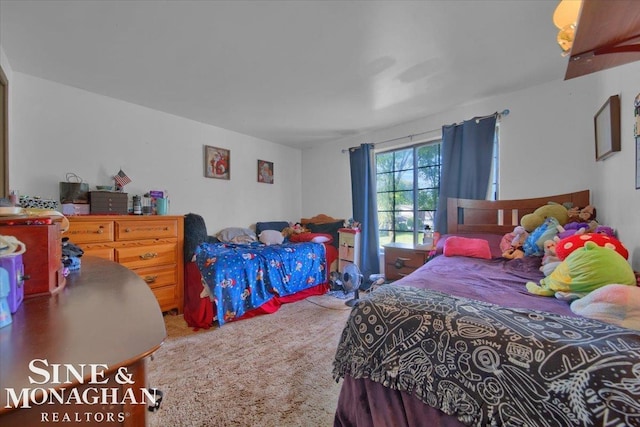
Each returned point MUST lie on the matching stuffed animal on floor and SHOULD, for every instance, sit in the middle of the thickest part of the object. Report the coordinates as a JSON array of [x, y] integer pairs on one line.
[[584, 270]]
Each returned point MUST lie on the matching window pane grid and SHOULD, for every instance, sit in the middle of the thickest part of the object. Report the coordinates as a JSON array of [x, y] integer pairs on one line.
[[408, 185]]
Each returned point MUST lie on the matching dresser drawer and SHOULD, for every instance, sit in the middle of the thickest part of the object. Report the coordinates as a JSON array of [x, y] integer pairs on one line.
[[90, 232], [166, 296], [157, 277], [152, 229], [147, 256], [347, 239], [346, 252], [108, 202], [100, 252]]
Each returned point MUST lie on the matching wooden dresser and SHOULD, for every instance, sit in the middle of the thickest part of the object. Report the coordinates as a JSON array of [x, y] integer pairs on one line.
[[152, 246], [401, 259], [106, 317]]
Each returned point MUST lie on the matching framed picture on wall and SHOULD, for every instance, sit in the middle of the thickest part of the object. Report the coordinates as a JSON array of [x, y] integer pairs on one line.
[[265, 171], [607, 128], [217, 162]]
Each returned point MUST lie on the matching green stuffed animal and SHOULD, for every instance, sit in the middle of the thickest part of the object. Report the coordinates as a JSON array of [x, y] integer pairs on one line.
[[535, 219], [585, 270]]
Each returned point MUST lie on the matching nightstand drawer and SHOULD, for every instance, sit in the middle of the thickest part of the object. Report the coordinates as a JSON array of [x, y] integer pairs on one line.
[[401, 260], [404, 257]]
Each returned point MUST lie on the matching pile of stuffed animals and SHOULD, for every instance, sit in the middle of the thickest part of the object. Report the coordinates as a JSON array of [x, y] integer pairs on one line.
[[578, 254]]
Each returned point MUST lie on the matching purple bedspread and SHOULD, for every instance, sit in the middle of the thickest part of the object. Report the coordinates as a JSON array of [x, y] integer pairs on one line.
[[498, 281]]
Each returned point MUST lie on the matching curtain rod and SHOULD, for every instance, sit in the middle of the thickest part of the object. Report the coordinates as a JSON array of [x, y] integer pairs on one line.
[[504, 113]]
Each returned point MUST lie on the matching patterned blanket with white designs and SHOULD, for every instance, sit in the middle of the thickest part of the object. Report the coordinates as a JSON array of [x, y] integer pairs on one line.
[[490, 365]]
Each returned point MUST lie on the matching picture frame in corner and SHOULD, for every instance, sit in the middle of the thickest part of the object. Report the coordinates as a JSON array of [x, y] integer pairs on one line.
[[217, 162], [607, 128]]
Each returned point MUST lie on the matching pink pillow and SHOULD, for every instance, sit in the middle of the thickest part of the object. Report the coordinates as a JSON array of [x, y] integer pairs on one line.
[[466, 246]]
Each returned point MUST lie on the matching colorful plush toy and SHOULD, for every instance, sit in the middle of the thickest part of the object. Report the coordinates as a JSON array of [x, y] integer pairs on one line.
[[572, 228], [515, 239], [603, 229], [572, 243], [586, 214], [535, 219], [585, 270], [549, 260], [534, 244]]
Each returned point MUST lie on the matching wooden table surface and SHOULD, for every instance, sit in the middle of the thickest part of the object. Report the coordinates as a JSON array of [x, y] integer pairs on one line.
[[105, 315]]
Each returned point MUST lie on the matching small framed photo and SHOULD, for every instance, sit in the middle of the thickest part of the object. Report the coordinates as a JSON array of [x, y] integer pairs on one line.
[[637, 162], [217, 162], [265, 171], [607, 128]]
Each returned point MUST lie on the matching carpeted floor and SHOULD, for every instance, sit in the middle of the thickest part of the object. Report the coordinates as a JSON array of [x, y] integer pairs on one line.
[[272, 370]]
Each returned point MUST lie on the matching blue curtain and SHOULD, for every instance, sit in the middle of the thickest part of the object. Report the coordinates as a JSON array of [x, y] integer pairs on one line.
[[365, 210], [467, 151]]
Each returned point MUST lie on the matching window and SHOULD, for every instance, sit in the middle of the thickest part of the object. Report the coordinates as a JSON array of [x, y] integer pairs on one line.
[[408, 183]]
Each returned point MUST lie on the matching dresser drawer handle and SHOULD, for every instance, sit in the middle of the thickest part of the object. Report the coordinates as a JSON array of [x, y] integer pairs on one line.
[[100, 230], [150, 279], [127, 230], [149, 255]]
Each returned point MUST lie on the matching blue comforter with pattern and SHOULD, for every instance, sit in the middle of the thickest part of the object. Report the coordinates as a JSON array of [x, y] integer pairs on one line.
[[242, 277]]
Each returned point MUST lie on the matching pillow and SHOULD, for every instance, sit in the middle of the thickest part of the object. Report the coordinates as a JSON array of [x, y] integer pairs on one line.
[[311, 237], [236, 235], [271, 237], [569, 244], [493, 240], [466, 246], [584, 270], [330, 228], [271, 225]]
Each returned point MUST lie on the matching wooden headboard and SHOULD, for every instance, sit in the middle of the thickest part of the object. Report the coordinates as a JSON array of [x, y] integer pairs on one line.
[[500, 216], [319, 219]]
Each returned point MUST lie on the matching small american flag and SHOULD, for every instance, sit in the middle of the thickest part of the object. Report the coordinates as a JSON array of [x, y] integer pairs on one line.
[[121, 179]]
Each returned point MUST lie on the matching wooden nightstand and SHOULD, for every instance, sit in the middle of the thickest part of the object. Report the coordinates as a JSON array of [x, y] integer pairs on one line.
[[401, 259]]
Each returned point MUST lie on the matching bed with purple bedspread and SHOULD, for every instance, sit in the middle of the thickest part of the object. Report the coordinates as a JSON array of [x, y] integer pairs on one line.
[[461, 342]]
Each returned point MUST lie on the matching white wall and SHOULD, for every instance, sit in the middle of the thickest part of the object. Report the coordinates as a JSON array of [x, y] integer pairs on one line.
[[58, 129], [547, 147]]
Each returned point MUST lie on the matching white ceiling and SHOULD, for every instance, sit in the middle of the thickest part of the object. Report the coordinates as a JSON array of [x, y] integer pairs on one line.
[[297, 73]]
